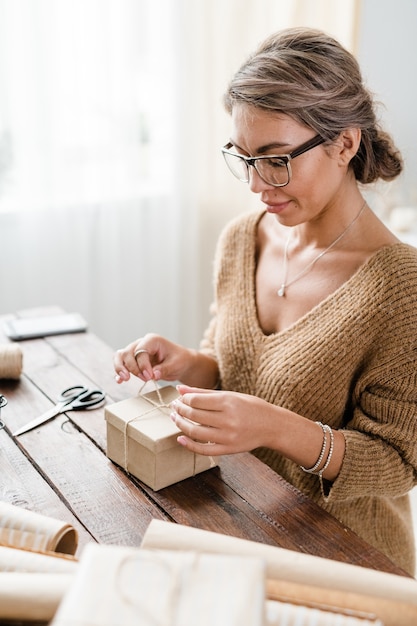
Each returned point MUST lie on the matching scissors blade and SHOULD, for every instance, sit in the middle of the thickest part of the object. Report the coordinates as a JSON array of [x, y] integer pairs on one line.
[[55, 410]]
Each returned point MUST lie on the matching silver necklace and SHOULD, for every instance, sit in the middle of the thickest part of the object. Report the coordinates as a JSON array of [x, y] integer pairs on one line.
[[285, 284]]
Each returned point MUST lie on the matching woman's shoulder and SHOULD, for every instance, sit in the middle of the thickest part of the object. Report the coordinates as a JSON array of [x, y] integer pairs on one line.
[[236, 245], [395, 256], [392, 272]]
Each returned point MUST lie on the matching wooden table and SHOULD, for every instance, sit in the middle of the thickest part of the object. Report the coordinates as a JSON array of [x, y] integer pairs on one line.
[[61, 469]]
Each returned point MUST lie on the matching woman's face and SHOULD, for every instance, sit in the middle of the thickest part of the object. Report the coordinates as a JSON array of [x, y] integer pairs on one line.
[[318, 177]]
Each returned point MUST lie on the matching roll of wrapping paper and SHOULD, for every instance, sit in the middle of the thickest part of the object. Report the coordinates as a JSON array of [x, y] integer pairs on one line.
[[11, 362], [22, 560], [392, 598], [32, 597], [391, 613], [20, 528], [279, 613], [32, 585]]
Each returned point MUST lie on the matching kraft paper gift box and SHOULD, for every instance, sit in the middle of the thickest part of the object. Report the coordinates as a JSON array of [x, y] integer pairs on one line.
[[142, 438], [116, 585]]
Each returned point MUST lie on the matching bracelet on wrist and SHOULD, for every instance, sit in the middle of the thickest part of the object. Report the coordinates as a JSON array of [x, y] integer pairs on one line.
[[329, 456], [316, 469]]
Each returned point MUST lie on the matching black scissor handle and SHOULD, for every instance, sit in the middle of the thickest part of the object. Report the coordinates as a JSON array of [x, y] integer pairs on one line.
[[72, 393], [89, 399], [3, 402]]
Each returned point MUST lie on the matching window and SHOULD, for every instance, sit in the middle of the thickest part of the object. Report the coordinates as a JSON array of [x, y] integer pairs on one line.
[[86, 112]]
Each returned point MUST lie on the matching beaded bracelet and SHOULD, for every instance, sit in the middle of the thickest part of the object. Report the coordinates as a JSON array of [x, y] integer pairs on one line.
[[326, 465], [326, 429], [329, 456]]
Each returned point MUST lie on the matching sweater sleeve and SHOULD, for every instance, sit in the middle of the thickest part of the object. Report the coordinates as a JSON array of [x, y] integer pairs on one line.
[[381, 437]]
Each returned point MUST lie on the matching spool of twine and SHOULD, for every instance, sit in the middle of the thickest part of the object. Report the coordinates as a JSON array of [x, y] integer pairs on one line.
[[11, 361]]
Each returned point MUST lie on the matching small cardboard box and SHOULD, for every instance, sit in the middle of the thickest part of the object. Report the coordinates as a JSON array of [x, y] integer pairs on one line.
[[142, 438], [116, 585]]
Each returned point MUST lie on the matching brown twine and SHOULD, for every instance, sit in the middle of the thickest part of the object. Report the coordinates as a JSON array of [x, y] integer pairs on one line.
[[158, 393], [11, 362], [155, 405], [171, 587]]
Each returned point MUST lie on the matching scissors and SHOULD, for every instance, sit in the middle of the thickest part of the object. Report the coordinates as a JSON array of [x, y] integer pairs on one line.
[[3, 403], [76, 398]]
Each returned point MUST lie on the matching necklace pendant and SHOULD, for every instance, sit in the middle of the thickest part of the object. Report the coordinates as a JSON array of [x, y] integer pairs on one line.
[[281, 291]]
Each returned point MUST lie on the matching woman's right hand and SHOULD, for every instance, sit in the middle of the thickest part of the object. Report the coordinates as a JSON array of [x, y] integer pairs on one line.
[[153, 357]]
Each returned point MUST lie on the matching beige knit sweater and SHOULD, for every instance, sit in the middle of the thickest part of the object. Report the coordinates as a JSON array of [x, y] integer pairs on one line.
[[351, 362]]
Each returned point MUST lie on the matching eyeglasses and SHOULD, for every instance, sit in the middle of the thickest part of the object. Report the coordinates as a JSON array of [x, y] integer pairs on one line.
[[274, 169]]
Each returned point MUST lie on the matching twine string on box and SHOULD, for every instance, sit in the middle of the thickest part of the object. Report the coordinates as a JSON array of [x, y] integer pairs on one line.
[[11, 362], [160, 402], [155, 405]]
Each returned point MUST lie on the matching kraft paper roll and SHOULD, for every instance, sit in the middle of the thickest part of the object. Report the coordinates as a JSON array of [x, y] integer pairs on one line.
[[20, 528], [392, 613], [20, 560], [295, 567], [31, 596], [279, 613], [11, 362]]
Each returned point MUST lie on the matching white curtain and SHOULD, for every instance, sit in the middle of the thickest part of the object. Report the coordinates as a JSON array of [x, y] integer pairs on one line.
[[82, 84], [112, 186]]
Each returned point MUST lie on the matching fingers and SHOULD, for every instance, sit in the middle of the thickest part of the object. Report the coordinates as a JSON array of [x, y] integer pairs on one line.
[[122, 372], [143, 363], [122, 377], [196, 432], [218, 418], [199, 425], [194, 415], [195, 437], [152, 358], [207, 449], [201, 399], [135, 359], [185, 389]]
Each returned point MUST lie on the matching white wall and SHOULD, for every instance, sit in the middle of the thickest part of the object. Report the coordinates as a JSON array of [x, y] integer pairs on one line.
[[387, 52]]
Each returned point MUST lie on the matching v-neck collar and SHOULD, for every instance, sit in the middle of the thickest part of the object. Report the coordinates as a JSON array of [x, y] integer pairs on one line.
[[332, 300]]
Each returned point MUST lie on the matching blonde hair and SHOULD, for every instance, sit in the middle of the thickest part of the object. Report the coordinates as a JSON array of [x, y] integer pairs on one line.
[[309, 76]]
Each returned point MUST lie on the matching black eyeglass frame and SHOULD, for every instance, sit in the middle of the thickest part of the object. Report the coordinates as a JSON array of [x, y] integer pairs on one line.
[[317, 140]]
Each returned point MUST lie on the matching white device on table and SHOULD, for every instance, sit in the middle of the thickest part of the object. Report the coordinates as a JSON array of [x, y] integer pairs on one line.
[[44, 326]]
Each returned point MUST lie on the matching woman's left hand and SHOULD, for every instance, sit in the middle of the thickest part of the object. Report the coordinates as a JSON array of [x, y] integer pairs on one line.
[[221, 422]]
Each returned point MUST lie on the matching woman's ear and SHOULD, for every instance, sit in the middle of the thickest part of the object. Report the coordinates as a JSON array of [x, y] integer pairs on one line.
[[348, 144]]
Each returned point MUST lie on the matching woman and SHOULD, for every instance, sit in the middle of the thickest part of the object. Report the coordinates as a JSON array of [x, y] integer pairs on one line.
[[310, 360]]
